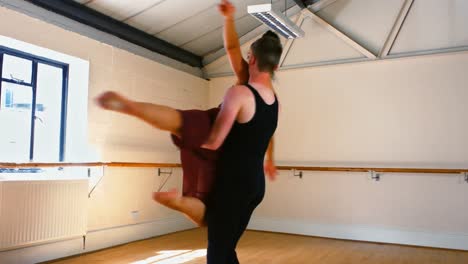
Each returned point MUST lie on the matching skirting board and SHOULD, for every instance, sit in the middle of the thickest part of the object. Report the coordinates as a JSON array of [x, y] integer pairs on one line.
[[362, 233], [95, 240]]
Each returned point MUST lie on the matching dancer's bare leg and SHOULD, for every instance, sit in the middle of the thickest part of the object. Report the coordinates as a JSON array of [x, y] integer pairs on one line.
[[159, 116], [164, 118], [193, 208]]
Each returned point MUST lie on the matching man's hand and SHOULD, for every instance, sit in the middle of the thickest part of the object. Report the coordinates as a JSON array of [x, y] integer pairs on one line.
[[226, 9], [270, 170]]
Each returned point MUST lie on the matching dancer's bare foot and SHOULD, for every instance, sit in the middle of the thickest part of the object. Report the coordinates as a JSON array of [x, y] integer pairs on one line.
[[115, 102], [192, 207], [164, 198]]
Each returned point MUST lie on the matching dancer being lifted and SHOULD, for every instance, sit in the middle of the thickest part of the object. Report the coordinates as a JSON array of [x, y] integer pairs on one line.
[[190, 129]]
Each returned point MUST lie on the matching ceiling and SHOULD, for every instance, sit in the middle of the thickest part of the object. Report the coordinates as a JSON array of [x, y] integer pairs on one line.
[[337, 31], [195, 26], [366, 30]]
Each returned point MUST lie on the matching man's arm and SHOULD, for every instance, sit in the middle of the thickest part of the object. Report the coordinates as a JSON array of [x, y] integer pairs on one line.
[[270, 150], [227, 116], [270, 166], [231, 43]]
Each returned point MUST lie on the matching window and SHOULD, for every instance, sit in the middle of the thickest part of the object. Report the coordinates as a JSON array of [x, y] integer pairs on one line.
[[33, 102]]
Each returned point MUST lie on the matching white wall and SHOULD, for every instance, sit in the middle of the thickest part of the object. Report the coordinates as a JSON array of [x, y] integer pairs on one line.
[[405, 113], [114, 137]]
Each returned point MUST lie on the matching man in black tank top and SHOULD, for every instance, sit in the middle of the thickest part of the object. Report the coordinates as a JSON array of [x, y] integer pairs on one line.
[[242, 131]]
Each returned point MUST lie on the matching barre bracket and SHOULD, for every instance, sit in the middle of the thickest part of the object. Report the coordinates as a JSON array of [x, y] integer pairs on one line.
[[297, 173], [375, 176], [161, 172]]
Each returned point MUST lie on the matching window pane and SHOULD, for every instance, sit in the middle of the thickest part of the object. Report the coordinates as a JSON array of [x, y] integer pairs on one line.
[[15, 117], [48, 114], [18, 69]]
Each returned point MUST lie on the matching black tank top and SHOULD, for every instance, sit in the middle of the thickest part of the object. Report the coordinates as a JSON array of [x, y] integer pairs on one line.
[[243, 151]]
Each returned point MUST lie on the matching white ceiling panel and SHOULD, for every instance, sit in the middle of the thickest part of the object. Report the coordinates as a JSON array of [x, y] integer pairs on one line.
[[318, 45], [210, 20], [213, 41], [368, 22], [433, 24], [122, 9], [185, 31], [206, 21], [193, 25], [196, 25], [168, 13]]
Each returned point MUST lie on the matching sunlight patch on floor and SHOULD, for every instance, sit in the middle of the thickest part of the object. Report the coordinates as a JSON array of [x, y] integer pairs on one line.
[[173, 257]]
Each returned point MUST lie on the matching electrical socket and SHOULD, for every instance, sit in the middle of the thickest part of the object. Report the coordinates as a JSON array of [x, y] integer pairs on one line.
[[135, 215]]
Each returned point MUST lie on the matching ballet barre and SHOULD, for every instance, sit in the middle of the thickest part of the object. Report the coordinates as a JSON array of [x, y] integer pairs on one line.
[[381, 170], [90, 164], [298, 170], [375, 173]]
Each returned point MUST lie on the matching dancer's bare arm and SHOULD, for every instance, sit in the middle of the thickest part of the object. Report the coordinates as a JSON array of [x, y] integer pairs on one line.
[[231, 43], [270, 167], [230, 108]]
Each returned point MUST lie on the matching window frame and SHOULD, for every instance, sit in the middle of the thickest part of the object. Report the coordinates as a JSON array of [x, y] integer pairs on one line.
[[36, 60]]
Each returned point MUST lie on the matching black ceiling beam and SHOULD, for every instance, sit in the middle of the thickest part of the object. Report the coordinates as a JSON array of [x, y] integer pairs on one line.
[[300, 3], [305, 3], [310, 2], [90, 17]]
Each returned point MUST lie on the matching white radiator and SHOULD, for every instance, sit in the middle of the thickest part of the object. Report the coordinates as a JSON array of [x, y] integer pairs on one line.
[[33, 212]]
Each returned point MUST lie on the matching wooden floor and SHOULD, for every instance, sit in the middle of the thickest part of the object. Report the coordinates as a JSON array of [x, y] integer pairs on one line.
[[188, 247]]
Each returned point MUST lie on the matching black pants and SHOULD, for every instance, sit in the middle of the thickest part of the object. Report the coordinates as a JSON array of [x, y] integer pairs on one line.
[[227, 220]]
